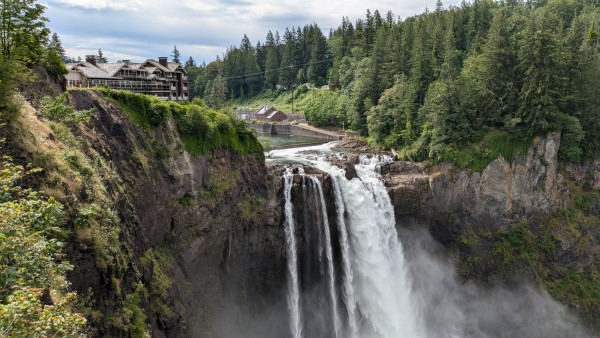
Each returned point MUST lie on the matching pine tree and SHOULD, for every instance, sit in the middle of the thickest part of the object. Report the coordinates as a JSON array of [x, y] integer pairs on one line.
[[100, 57], [190, 63], [271, 62], [56, 44], [497, 82], [175, 55], [287, 72], [542, 61]]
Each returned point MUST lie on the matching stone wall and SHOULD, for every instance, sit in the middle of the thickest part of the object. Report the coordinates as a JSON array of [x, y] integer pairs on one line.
[[290, 129]]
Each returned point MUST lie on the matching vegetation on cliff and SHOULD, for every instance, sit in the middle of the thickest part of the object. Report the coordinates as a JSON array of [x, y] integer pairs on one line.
[[35, 300], [201, 128], [436, 84]]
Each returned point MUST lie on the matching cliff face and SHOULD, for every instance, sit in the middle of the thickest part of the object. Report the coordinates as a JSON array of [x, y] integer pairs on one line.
[[503, 193], [200, 238], [200, 235], [530, 219]]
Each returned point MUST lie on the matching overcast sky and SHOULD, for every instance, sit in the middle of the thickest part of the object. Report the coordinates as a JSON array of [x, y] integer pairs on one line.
[[146, 29]]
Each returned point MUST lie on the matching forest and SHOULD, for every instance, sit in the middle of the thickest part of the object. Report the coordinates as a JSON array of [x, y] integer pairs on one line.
[[455, 83]]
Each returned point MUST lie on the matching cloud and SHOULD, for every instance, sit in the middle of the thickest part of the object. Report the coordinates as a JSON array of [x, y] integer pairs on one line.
[[141, 29]]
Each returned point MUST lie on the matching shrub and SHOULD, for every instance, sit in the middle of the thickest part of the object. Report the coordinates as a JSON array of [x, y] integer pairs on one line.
[[32, 264]]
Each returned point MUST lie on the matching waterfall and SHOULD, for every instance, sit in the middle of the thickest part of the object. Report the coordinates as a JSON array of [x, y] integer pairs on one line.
[[328, 254], [348, 276], [379, 279], [366, 277], [375, 286], [292, 259]]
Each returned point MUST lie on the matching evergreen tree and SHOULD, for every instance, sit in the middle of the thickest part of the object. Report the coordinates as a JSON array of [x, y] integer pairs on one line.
[[175, 55], [495, 80], [542, 61], [190, 63], [287, 72], [100, 57], [56, 45], [272, 62]]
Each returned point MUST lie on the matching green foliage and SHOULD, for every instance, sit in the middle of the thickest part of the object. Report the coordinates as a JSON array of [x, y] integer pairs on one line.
[[159, 263], [432, 84], [59, 110], [24, 315], [322, 109], [32, 263], [520, 244], [252, 206], [23, 32], [578, 288], [201, 128], [144, 110], [476, 156], [9, 105]]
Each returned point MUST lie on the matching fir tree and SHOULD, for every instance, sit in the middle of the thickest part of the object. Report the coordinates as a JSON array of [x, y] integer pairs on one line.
[[175, 55], [100, 57]]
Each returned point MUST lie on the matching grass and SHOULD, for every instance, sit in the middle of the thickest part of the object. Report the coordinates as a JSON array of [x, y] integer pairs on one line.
[[251, 206], [281, 100]]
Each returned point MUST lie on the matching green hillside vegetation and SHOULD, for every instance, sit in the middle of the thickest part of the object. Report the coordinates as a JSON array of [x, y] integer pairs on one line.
[[457, 83], [201, 128], [34, 297]]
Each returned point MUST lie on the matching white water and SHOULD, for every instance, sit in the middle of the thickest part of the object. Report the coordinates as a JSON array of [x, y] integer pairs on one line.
[[381, 284], [292, 259], [381, 298], [348, 277], [376, 289], [329, 255]]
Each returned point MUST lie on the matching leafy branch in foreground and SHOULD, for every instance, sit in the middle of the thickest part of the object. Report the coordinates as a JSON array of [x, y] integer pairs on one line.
[[34, 297]]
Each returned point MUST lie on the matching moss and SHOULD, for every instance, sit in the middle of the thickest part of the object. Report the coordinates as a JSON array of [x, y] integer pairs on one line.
[[185, 201], [251, 206], [520, 243], [578, 288], [159, 263]]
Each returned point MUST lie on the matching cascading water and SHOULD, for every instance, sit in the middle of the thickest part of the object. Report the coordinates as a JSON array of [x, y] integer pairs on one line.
[[354, 281], [374, 280], [329, 254], [290, 238], [380, 283]]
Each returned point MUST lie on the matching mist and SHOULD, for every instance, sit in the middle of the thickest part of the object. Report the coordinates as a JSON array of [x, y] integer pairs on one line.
[[449, 308]]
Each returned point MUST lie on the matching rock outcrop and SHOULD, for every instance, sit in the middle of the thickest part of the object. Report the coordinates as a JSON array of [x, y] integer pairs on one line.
[[503, 193]]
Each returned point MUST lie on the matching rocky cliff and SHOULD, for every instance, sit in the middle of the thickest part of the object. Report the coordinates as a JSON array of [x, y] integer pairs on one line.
[[529, 218], [191, 245], [194, 245]]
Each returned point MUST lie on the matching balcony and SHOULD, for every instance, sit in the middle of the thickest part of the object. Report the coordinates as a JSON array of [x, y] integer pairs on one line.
[[173, 88]]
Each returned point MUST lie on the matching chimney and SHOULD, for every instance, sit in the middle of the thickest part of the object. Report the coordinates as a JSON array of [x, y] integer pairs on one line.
[[162, 60], [125, 61], [91, 59]]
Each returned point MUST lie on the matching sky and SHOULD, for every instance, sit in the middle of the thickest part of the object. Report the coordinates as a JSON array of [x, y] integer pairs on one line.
[[146, 29]]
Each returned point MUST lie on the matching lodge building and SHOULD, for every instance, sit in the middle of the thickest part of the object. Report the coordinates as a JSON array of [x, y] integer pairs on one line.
[[163, 79]]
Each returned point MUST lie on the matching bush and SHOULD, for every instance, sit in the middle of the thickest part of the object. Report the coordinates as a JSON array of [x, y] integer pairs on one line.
[[59, 110], [32, 265]]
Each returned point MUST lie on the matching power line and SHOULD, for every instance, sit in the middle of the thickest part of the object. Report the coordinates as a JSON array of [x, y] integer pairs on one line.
[[272, 70]]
